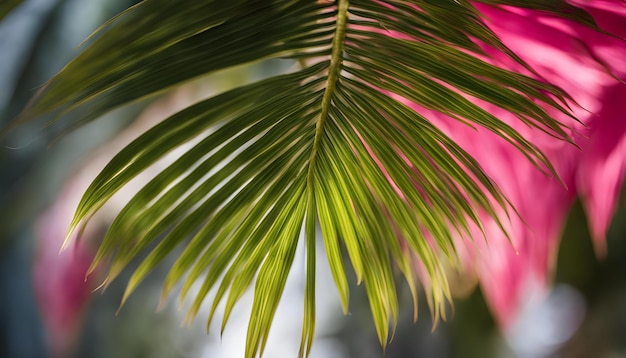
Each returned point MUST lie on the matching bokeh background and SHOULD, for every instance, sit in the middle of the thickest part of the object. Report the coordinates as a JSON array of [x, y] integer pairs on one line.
[[583, 316]]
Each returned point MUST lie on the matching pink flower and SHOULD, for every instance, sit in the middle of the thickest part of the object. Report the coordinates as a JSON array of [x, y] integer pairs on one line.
[[61, 289], [585, 63]]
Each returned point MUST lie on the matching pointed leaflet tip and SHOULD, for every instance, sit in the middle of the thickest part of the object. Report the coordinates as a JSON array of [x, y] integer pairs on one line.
[[127, 293], [72, 234]]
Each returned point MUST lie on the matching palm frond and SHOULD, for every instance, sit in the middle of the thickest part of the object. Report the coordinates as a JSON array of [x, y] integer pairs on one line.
[[333, 142]]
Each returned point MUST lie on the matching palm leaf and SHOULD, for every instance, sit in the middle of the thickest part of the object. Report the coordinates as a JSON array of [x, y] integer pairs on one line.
[[329, 143]]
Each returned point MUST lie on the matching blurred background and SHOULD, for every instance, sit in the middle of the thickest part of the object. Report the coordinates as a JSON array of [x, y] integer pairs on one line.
[[42, 176]]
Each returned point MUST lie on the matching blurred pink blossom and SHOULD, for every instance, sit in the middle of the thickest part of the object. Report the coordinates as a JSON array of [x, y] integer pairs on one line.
[[587, 64], [61, 289]]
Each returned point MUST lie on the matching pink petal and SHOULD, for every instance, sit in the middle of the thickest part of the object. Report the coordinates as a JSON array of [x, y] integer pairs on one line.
[[61, 289], [600, 173], [584, 63], [578, 60]]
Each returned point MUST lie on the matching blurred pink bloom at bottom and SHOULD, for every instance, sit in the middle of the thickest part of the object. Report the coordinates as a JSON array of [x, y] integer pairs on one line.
[[584, 63], [61, 289]]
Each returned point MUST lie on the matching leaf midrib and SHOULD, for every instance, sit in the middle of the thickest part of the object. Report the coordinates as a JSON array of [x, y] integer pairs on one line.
[[333, 75]]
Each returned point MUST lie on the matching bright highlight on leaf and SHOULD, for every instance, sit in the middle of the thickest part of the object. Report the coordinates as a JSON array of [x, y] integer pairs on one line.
[[333, 143]]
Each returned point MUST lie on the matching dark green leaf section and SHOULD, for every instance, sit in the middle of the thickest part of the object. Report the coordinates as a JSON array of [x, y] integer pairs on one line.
[[7, 5], [159, 43], [334, 143], [560, 8]]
